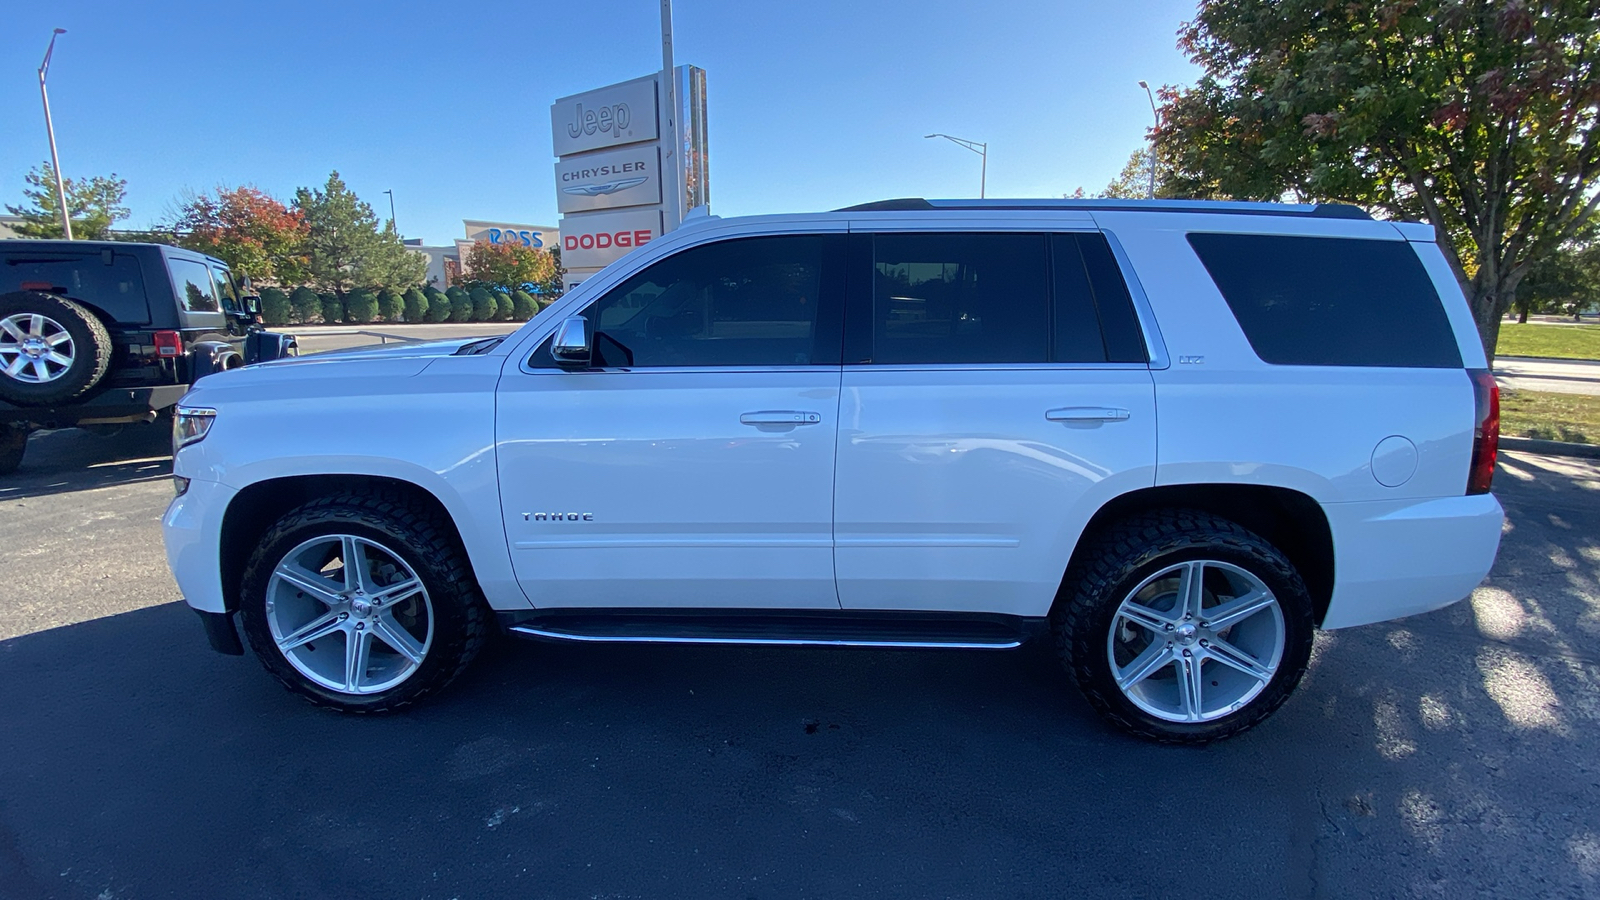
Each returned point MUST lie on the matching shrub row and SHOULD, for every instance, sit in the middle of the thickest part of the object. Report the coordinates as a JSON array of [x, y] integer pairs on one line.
[[305, 306]]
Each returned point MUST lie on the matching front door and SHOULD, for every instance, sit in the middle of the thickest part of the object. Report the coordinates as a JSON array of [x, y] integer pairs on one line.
[[692, 465], [998, 393]]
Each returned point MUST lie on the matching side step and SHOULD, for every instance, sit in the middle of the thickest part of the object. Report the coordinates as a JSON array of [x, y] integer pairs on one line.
[[786, 628]]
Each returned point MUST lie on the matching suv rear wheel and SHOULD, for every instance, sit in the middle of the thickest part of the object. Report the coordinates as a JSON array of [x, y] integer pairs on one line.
[[362, 602], [52, 350], [1183, 627]]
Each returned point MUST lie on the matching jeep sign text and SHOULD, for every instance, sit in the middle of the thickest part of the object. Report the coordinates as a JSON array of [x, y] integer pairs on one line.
[[594, 120]]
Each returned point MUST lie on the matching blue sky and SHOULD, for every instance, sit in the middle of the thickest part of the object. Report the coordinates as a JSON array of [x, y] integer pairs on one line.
[[811, 106]]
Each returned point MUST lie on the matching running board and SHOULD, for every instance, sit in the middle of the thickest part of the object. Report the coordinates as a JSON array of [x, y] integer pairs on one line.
[[789, 628]]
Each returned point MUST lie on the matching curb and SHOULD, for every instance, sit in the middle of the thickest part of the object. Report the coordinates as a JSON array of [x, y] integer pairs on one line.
[[1550, 448]]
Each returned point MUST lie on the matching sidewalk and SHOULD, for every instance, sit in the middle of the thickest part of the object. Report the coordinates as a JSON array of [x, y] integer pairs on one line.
[[1561, 376]]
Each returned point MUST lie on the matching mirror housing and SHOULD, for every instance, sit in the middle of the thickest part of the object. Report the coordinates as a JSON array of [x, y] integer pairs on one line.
[[570, 347], [252, 304]]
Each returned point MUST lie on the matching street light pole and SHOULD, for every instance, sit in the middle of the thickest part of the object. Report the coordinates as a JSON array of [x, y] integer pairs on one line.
[[50, 128], [391, 213], [978, 148], [1157, 114]]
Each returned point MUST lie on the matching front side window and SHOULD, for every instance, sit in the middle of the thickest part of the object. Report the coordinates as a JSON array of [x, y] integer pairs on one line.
[[224, 283], [960, 298], [745, 302], [193, 283]]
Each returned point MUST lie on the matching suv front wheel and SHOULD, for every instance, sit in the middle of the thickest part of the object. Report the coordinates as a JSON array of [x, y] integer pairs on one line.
[[1183, 627], [363, 602]]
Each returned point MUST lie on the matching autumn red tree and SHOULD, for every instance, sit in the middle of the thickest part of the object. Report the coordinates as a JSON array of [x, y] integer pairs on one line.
[[248, 229], [507, 266]]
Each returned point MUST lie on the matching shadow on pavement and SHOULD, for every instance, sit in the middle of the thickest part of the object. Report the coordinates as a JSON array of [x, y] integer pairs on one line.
[[1446, 755], [71, 459]]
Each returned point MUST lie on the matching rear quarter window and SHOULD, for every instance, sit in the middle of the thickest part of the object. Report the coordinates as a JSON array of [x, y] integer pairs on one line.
[[1316, 301]]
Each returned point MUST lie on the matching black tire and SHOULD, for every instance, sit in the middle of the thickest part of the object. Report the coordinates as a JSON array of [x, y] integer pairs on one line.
[[417, 536], [13, 444], [90, 356], [1118, 560]]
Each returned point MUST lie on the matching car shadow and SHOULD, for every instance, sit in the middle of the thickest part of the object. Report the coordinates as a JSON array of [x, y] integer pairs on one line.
[[72, 459]]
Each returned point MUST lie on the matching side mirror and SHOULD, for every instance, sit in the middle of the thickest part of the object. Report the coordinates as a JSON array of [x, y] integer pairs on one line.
[[571, 344], [252, 304]]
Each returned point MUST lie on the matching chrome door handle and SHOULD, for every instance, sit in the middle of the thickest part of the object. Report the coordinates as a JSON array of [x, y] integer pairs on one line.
[[1087, 414], [780, 417]]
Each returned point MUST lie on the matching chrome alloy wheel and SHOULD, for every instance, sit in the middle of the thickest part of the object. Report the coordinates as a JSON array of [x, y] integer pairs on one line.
[[34, 349], [1196, 641], [349, 614]]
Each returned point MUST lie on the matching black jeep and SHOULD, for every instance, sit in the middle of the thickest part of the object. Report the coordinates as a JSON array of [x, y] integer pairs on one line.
[[103, 333]]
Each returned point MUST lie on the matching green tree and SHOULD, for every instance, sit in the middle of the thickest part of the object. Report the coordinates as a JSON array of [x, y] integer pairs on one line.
[[346, 249], [484, 306], [1567, 282], [252, 232], [306, 304], [332, 309], [415, 305], [552, 287], [439, 307], [460, 304], [1134, 181], [1478, 117], [522, 306], [390, 304], [361, 306], [275, 306], [93, 204]]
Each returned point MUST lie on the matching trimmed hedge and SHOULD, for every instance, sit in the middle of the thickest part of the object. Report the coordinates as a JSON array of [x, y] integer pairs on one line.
[[390, 305], [438, 307], [361, 306], [305, 305], [484, 306], [460, 304], [522, 306], [275, 307], [415, 305], [332, 309]]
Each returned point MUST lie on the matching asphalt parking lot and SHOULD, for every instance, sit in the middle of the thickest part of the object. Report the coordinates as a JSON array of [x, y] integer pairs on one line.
[[1448, 755]]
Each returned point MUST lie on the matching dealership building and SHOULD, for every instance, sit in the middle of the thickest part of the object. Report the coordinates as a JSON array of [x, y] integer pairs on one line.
[[444, 262]]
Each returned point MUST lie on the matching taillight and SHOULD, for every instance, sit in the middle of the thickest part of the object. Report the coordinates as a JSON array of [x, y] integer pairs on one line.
[[168, 344], [1485, 430]]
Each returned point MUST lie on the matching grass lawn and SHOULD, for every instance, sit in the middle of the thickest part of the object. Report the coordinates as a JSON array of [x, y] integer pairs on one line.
[[1553, 417], [1563, 341]]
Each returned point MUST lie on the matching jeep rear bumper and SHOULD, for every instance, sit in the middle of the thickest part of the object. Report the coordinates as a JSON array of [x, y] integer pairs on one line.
[[110, 406]]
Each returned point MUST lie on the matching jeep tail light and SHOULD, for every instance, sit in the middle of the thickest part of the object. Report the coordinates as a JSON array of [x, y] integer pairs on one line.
[[168, 344], [1485, 431]]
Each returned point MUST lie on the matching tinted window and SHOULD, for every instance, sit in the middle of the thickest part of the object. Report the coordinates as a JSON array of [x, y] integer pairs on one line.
[[748, 302], [79, 277], [1094, 317], [230, 300], [960, 298], [192, 281], [1315, 301]]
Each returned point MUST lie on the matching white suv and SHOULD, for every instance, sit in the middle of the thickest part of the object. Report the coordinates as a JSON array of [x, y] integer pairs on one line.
[[1175, 437]]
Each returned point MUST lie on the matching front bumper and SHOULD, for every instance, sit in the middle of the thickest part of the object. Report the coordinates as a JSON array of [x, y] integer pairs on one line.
[[192, 529], [1395, 558]]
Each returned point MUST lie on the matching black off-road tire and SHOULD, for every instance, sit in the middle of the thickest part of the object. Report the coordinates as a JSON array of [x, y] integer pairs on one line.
[[426, 542], [1118, 559], [13, 444], [91, 356]]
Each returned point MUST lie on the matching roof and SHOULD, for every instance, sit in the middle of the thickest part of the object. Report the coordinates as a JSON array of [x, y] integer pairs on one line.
[[56, 245], [1231, 207]]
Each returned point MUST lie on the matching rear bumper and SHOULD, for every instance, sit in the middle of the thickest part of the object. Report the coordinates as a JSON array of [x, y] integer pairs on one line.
[[114, 404], [1395, 558]]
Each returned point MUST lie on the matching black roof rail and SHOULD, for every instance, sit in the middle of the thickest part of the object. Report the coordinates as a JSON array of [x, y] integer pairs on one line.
[[1230, 207]]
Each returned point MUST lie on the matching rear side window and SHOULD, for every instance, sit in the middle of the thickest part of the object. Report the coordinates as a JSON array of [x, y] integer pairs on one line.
[[960, 298], [1315, 301], [86, 278], [1094, 317], [192, 281]]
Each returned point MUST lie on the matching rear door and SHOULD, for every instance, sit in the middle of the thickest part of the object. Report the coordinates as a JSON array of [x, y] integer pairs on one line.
[[996, 392]]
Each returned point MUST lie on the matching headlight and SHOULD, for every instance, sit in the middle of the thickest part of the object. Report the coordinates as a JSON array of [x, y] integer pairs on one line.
[[190, 425]]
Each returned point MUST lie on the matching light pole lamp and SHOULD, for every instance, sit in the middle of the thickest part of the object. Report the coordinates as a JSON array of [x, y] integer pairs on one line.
[[976, 147], [391, 213], [1157, 114], [49, 127]]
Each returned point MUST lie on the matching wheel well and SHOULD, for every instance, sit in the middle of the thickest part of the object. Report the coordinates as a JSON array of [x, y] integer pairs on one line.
[[1291, 521], [257, 507]]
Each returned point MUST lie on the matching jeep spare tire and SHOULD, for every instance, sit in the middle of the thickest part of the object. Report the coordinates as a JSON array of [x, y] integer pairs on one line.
[[52, 350]]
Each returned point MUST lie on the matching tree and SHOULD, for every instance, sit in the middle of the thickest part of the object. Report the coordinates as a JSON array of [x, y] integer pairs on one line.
[[345, 249], [522, 306], [390, 304], [1567, 281], [306, 304], [252, 232], [1134, 182], [275, 306], [506, 266], [361, 306], [94, 205], [484, 306], [415, 305], [552, 287], [460, 304], [1475, 116]]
